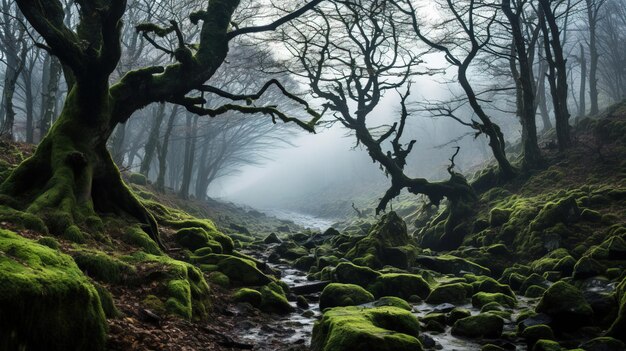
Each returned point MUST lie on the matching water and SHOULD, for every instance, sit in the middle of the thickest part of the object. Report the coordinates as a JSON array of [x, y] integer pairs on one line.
[[301, 219]]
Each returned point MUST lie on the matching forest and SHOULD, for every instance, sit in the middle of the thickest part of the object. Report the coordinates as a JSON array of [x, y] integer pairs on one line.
[[313, 175]]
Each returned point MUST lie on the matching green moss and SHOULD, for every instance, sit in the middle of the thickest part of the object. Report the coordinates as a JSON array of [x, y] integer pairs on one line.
[[401, 285], [451, 293], [484, 325], [547, 345], [534, 291], [240, 270], [618, 328], [456, 314], [250, 296], [46, 300], [535, 333], [490, 285], [375, 329], [449, 264], [337, 294], [135, 236], [557, 260], [566, 305], [349, 273], [274, 299], [106, 300], [22, 219], [219, 278], [603, 344], [49, 242], [393, 301], [482, 298], [154, 304], [138, 178], [587, 267], [499, 216], [187, 291], [74, 234], [102, 266]]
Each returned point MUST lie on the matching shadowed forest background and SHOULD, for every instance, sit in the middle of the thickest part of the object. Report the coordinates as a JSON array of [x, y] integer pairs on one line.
[[313, 175]]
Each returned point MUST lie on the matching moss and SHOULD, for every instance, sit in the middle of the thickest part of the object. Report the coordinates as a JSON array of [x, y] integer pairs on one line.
[[562, 211], [274, 299], [401, 285], [618, 328], [74, 234], [490, 285], [499, 216], [337, 294], [451, 293], [219, 278], [490, 307], [138, 178], [188, 292], [272, 238], [456, 314], [482, 298], [566, 305], [154, 304], [49, 242], [375, 329], [192, 238], [557, 260], [46, 300], [547, 345], [480, 326], [106, 300], [537, 332], [349, 273], [22, 219], [250, 296], [393, 301], [603, 344], [534, 291], [102, 266], [587, 267], [240, 270], [135, 236], [591, 215]]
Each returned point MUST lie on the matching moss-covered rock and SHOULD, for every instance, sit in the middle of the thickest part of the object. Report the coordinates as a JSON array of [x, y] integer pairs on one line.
[[482, 298], [239, 270], [272, 238], [456, 314], [288, 250], [587, 267], [219, 279], [557, 260], [137, 178], [563, 211], [402, 285], [566, 305], [135, 236], [499, 216], [194, 238], [603, 344], [535, 333], [46, 300], [102, 266], [547, 345], [393, 301], [374, 329], [490, 285], [451, 293], [250, 296], [337, 294], [483, 325], [618, 328], [349, 273], [449, 264], [534, 291], [273, 299]]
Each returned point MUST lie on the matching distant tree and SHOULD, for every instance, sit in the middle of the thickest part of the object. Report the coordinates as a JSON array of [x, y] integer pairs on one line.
[[71, 175]]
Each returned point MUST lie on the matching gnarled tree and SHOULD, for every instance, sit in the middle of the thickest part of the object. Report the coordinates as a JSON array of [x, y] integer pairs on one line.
[[71, 176]]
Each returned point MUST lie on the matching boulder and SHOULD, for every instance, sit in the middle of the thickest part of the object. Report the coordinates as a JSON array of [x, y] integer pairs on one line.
[[483, 325], [452, 293], [448, 264], [337, 294], [566, 305], [349, 273], [402, 285]]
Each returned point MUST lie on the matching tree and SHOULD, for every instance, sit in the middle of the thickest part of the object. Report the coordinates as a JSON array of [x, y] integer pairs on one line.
[[474, 21], [594, 8], [71, 176], [353, 54]]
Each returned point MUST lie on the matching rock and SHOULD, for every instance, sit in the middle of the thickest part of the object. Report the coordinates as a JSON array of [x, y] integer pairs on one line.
[[427, 341], [618, 328], [482, 298], [603, 344], [349, 273], [401, 285], [537, 319], [547, 345], [250, 296], [194, 238], [537, 332], [320, 238], [490, 285], [587, 267], [239, 270], [304, 263], [273, 299], [565, 211], [491, 307], [374, 329], [337, 294], [534, 291], [393, 301], [444, 308], [289, 250], [566, 305], [309, 288], [557, 260], [452, 293], [480, 326], [137, 178], [272, 238], [239, 228], [448, 264], [435, 326], [302, 302], [46, 302], [492, 347], [533, 279], [499, 216], [456, 314]]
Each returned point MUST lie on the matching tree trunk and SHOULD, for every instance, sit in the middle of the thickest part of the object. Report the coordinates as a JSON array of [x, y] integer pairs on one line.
[[10, 82], [153, 140], [190, 148], [541, 96], [71, 175], [117, 144], [582, 108], [592, 17], [160, 183], [49, 94]]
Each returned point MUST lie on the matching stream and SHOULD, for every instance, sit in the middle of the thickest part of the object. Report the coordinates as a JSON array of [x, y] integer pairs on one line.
[[301, 219]]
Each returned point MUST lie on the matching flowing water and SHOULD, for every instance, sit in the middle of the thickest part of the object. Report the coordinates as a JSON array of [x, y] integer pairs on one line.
[[301, 219]]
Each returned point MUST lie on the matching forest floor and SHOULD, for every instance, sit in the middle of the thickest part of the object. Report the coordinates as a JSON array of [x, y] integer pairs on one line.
[[565, 223]]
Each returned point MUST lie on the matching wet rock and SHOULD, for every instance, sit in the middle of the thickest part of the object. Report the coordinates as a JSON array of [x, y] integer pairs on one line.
[[482, 298], [566, 305], [321, 238], [239, 270], [272, 239], [492, 347], [456, 314], [302, 302], [393, 301], [547, 345], [534, 291], [337, 294], [427, 341], [536, 319], [604, 306], [435, 326], [587, 267], [274, 299], [250, 296], [490, 285], [401, 285], [304, 263], [444, 308], [452, 293], [289, 250], [499, 216], [533, 279], [349, 273], [618, 328], [603, 344], [537, 332], [557, 260], [479, 326], [375, 329], [448, 264]]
